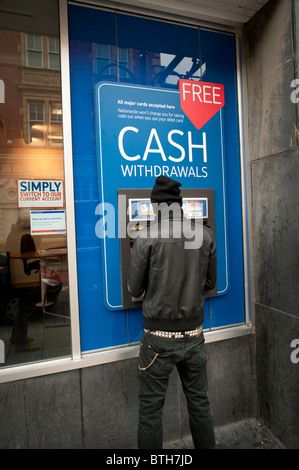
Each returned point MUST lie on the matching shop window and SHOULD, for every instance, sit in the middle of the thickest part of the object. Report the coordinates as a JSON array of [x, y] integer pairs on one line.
[[144, 52], [34, 298]]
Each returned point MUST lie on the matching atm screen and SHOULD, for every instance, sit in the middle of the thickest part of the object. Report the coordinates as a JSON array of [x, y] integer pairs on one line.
[[195, 208], [142, 210]]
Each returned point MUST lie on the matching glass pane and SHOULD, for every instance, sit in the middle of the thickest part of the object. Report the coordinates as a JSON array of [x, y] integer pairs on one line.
[[54, 61], [56, 124], [34, 42], [37, 133], [158, 53], [53, 45], [34, 59], [34, 299], [53, 53]]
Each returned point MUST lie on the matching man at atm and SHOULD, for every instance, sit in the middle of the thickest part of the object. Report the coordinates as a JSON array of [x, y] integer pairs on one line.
[[173, 274]]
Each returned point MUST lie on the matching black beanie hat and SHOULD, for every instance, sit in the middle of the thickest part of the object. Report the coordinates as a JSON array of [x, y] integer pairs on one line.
[[166, 190]]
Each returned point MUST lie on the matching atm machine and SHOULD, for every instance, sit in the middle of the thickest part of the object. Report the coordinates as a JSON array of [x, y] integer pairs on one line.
[[198, 203]]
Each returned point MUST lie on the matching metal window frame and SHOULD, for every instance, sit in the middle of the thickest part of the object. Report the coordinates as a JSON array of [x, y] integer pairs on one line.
[[78, 359]]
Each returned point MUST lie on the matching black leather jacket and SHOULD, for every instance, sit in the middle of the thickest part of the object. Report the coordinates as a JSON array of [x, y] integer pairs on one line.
[[173, 277]]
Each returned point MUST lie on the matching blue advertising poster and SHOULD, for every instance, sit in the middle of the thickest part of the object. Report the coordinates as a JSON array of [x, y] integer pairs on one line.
[[115, 61], [143, 133]]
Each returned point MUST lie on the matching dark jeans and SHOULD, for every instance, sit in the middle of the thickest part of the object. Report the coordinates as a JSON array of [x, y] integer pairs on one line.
[[158, 356]]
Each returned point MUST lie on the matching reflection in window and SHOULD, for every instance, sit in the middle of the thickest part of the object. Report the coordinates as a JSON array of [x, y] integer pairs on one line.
[[42, 52], [103, 59], [150, 68], [34, 299], [34, 49], [36, 112], [123, 62], [176, 67], [112, 62], [53, 53], [55, 133]]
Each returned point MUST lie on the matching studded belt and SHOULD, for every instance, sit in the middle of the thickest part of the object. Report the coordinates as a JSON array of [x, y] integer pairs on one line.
[[176, 334]]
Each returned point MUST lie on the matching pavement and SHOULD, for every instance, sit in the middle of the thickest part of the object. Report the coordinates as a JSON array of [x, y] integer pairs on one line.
[[245, 434]]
